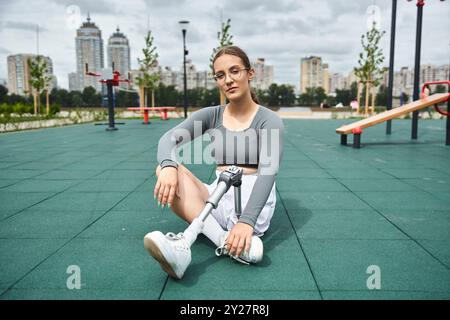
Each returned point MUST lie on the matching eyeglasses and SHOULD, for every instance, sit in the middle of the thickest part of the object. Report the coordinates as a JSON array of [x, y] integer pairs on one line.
[[235, 74]]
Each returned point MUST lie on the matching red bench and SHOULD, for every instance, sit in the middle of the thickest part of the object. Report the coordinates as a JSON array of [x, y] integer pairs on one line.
[[162, 110]]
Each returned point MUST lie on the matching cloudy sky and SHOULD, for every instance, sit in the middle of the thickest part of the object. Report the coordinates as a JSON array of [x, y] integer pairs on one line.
[[280, 31]]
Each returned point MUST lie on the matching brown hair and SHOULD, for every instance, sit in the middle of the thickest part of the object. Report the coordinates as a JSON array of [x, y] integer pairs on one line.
[[238, 52]]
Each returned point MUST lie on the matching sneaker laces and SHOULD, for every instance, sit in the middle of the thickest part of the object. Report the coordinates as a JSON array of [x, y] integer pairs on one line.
[[173, 236], [222, 250], [179, 236]]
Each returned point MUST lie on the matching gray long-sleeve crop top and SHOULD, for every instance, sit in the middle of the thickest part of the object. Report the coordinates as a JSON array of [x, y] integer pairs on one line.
[[259, 146]]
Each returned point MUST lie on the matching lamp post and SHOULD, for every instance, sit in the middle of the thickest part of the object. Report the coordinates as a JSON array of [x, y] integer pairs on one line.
[[391, 64], [184, 25]]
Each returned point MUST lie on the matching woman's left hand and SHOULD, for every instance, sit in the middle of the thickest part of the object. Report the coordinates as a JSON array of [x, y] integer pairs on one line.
[[239, 239]]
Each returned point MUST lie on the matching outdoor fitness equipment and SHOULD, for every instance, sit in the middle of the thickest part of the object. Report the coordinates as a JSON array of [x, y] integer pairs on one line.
[[110, 83], [425, 101]]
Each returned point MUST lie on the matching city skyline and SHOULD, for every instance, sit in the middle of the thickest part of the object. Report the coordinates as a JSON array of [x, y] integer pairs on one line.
[[275, 31]]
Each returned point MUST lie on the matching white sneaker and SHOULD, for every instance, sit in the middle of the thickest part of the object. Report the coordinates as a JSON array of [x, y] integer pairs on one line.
[[171, 251], [254, 255]]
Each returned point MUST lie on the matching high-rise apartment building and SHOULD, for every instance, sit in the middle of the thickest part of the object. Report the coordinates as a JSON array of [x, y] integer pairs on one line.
[[118, 52], [19, 73], [313, 74], [89, 49]]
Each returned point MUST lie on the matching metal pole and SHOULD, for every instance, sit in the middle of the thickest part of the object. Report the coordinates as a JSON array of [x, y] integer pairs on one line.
[[185, 80], [415, 119], [447, 139], [391, 64], [111, 126]]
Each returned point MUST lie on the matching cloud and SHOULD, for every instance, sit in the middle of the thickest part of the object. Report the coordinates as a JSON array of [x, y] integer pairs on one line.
[[281, 31], [93, 7], [4, 51], [18, 25]]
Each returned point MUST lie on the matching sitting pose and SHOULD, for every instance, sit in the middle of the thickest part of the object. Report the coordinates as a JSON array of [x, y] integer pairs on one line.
[[244, 134]]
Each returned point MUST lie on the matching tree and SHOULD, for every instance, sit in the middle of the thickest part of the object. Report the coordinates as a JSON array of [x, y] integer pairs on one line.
[[148, 78], [224, 38], [369, 71], [167, 95], [39, 78], [3, 94], [382, 96], [90, 97]]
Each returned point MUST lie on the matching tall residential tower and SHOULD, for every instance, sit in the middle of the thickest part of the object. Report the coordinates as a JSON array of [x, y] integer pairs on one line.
[[89, 49]]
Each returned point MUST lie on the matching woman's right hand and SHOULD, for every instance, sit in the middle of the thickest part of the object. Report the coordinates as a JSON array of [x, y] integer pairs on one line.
[[166, 186]]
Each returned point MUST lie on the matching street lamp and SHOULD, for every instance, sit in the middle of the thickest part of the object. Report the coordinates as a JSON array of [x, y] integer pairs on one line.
[[184, 25]]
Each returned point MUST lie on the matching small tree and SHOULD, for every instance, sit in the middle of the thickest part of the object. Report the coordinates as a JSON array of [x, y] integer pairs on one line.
[[369, 71], [39, 78], [148, 78], [224, 38]]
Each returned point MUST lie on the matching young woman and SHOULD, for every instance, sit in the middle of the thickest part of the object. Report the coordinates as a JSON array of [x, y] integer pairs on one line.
[[259, 135]]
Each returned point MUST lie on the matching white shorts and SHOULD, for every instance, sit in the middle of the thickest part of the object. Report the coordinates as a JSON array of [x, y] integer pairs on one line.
[[225, 214]]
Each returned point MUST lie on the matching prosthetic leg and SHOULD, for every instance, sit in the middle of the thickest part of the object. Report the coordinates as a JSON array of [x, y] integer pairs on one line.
[[230, 177], [173, 251]]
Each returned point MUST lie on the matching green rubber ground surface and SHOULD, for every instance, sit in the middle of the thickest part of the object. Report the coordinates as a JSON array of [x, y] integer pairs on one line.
[[82, 196]]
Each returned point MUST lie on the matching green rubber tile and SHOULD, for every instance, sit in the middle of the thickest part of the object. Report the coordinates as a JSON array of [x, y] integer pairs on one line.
[[91, 185], [356, 185], [421, 224], [19, 174], [416, 173], [443, 195], [357, 173], [68, 174], [432, 185], [7, 182], [87, 165], [273, 275], [403, 200], [298, 165], [147, 186], [280, 224], [294, 156], [20, 256], [342, 265], [33, 185], [125, 174], [32, 223], [137, 201], [384, 295], [304, 173], [11, 202], [439, 249], [82, 201], [134, 224], [110, 265], [81, 294], [308, 185], [41, 165], [344, 224], [7, 164], [343, 164], [297, 201], [136, 165], [70, 157], [242, 294]]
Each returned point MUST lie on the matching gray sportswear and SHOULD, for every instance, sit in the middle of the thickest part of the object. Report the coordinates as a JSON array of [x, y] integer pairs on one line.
[[259, 146]]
